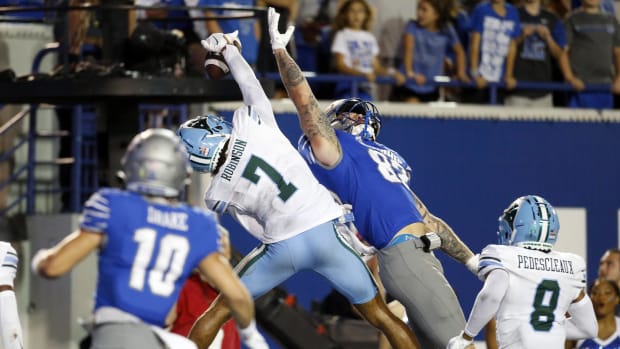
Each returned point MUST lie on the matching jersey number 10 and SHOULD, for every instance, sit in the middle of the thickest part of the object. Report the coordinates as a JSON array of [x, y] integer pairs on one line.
[[169, 262]]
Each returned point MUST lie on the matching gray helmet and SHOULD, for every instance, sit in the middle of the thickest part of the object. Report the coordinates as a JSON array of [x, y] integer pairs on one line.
[[156, 163]]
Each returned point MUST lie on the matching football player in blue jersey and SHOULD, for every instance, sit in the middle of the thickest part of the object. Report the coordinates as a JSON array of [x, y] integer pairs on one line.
[[10, 327], [341, 150], [148, 243]]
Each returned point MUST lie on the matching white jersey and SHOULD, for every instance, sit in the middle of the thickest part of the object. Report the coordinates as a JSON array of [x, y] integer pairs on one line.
[[542, 285], [9, 260], [264, 182]]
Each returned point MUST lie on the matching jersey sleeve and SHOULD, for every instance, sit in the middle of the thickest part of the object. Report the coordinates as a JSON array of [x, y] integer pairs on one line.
[[339, 45], [253, 94], [96, 212], [305, 149], [489, 260], [9, 260], [579, 271]]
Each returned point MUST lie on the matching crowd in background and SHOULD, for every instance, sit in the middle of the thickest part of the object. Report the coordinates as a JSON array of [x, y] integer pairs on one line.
[[413, 43]]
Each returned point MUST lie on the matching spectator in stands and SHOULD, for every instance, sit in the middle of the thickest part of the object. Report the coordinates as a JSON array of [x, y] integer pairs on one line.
[[592, 49], [539, 46], [609, 268], [249, 28], [355, 50], [426, 43], [186, 26], [495, 28], [605, 297]]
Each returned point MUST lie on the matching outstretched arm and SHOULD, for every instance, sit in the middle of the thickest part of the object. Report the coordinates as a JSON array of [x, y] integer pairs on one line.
[[450, 242], [315, 126], [251, 89]]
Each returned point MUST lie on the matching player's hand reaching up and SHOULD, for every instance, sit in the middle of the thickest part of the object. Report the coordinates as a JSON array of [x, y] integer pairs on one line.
[[278, 40], [216, 42]]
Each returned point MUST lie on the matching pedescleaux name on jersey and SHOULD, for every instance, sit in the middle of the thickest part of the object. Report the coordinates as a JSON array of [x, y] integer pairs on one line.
[[545, 264], [167, 219], [236, 153]]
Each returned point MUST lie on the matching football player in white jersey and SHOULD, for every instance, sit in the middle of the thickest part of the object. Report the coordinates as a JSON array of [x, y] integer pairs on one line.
[[264, 183], [528, 287], [10, 327]]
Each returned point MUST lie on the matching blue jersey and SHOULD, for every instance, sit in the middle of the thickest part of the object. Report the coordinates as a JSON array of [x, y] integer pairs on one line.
[[374, 180], [149, 251], [613, 342]]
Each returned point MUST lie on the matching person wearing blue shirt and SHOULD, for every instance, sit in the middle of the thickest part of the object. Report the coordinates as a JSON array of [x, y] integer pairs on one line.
[[340, 148], [148, 243], [495, 26], [539, 48], [247, 27]]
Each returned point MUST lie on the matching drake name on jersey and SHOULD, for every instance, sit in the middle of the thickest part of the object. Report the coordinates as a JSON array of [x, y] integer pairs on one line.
[[545, 264], [167, 219]]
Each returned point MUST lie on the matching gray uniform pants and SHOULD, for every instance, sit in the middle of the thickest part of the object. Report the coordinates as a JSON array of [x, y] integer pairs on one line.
[[415, 278], [125, 335]]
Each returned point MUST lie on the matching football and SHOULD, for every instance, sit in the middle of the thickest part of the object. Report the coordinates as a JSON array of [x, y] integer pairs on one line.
[[215, 65]]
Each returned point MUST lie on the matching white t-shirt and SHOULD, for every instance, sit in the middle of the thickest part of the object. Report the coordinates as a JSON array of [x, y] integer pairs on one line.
[[264, 182], [359, 48], [541, 288]]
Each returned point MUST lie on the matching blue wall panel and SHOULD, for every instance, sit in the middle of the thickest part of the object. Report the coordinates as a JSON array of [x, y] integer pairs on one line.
[[468, 171]]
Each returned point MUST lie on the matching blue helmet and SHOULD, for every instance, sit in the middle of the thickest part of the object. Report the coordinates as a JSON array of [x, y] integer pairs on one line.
[[204, 138], [155, 163], [339, 115], [530, 221]]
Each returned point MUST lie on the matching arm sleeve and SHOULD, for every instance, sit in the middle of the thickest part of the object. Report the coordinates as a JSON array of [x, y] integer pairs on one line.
[[10, 328], [582, 322], [9, 262], [251, 89], [488, 301]]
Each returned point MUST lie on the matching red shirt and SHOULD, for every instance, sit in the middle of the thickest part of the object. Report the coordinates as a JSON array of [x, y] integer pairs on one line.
[[195, 297]]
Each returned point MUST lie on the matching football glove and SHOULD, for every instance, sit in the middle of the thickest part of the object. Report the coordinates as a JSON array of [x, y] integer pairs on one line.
[[278, 40], [216, 42], [459, 342]]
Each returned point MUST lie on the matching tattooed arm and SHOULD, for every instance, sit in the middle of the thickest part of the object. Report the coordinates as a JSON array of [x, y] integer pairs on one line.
[[323, 140], [450, 242], [325, 145]]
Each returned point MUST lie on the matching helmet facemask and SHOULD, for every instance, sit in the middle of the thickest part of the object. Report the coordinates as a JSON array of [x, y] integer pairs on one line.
[[355, 116], [205, 138]]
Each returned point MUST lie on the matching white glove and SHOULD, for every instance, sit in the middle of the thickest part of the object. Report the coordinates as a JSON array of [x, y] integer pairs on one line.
[[216, 42], [472, 263], [252, 338], [278, 40], [459, 342]]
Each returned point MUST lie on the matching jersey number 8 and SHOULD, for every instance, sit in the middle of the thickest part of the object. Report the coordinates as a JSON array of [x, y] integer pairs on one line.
[[545, 302]]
